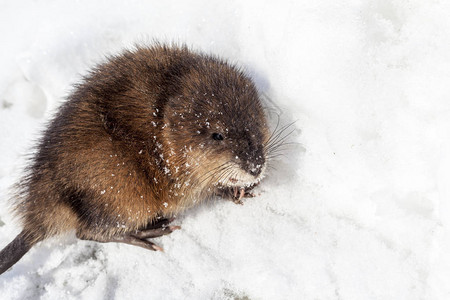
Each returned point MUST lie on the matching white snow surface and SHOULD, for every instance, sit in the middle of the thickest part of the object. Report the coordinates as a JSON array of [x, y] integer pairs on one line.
[[358, 208]]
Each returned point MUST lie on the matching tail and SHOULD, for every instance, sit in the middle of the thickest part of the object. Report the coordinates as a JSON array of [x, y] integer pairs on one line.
[[13, 252]]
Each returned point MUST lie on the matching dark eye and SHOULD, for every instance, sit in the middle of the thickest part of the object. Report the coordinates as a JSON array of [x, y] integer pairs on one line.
[[217, 136]]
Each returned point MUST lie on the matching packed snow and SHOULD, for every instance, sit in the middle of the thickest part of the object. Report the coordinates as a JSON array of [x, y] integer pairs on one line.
[[359, 206]]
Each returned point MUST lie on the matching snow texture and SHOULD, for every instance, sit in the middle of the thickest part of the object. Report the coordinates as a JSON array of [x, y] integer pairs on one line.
[[357, 209]]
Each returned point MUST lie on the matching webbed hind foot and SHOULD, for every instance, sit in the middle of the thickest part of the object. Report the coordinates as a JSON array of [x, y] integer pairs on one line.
[[138, 237]]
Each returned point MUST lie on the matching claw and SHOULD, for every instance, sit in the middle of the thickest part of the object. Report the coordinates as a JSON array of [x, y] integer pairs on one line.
[[173, 228], [242, 193], [237, 201], [157, 248]]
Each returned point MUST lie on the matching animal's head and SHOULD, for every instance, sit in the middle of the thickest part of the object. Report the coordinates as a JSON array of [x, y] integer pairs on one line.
[[216, 127]]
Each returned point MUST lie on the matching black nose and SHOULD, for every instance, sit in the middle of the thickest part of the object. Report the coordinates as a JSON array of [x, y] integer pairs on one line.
[[255, 164], [252, 157], [255, 171]]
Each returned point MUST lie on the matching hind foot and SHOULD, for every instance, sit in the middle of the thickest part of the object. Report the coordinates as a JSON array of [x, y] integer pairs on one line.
[[139, 237]]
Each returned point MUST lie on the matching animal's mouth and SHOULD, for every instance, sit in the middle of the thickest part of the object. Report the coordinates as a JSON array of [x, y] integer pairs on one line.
[[237, 192], [240, 178]]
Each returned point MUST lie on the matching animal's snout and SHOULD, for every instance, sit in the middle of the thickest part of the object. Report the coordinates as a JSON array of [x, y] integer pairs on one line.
[[255, 162], [255, 170]]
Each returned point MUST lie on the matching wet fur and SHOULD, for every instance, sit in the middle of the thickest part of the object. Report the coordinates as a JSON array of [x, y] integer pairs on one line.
[[133, 143]]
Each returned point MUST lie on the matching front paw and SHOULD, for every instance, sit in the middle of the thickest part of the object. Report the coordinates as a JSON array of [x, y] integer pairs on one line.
[[236, 194]]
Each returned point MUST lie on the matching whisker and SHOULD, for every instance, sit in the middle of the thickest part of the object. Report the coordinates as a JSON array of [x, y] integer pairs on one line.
[[277, 155], [272, 168], [214, 169], [280, 133], [283, 146], [273, 132], [227, 174], [278, 142], [220, 171], [280, 145]]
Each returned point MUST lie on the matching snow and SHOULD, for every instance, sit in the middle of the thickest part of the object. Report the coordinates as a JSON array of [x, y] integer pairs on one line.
[[358, 209]]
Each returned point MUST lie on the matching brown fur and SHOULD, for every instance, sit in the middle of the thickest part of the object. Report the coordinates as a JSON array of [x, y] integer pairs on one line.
[[133, 143]]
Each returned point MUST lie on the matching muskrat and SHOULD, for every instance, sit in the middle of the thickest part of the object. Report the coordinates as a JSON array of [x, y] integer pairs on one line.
[[145, 135]]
